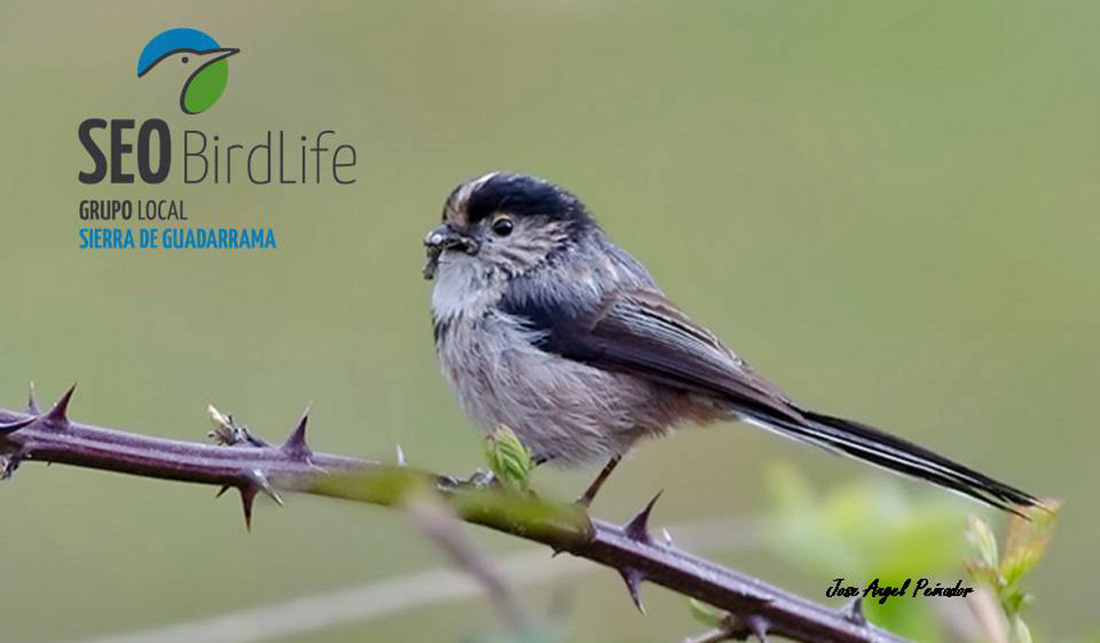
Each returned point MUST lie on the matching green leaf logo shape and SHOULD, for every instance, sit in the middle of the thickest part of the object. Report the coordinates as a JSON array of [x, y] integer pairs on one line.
[[204, 87]]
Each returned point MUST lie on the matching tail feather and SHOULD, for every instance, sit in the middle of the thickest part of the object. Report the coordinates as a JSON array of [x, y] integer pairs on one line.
[[895, 454]]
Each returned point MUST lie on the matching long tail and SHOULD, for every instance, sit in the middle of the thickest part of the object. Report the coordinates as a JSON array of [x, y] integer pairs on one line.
[[895, 454]]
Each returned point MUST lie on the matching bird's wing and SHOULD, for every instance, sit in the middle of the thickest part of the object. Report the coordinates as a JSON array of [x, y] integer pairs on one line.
[[643, 333]]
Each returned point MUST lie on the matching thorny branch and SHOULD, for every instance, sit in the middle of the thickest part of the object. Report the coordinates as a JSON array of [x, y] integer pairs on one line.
[[755, 608]]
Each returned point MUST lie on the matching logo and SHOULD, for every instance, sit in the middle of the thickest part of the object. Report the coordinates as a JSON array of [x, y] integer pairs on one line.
[[129, 149], [193, 56]]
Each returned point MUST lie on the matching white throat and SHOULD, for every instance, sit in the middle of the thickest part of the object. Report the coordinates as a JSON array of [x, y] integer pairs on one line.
[[462, 287]]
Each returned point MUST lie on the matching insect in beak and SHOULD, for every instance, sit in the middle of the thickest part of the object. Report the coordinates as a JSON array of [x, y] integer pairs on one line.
[[444, 238]]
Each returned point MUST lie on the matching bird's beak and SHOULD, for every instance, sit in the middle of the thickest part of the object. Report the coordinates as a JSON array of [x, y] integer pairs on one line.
[[444, 238], [223, 53]]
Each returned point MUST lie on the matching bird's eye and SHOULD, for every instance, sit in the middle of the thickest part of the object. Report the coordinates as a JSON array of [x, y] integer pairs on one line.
[[502, 225], [186, 60]]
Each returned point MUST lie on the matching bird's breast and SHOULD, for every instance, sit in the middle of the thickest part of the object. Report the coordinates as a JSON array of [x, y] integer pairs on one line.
[[560, 408]]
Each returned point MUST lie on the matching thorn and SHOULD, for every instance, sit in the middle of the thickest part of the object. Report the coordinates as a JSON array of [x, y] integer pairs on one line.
[[248, 494], [32, 402], [853, 611], [668, 538], [257, 482], [249, 438], [11, 462], [758, 626], [57, 416], [260, 483], [221, 492], [401, 457], [12, 427], [295, 445], [633, 578], [638, 527]]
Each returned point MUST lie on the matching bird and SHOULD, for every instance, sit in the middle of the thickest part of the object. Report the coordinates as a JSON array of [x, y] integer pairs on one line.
[[200, 63], [543, 325]]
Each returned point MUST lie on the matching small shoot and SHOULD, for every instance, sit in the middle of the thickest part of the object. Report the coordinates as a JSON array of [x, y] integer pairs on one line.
[[508, 458], [222, 428], [226, 432], [1024, 547]]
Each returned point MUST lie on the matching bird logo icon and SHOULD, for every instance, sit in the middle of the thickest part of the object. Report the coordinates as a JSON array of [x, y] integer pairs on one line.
[[196, 56]]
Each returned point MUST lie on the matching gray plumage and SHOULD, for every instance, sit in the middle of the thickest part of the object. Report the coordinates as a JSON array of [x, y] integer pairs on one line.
[[544, 325]]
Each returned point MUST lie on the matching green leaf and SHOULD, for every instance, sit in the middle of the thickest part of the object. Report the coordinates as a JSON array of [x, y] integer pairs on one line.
[[1013, 601], [508, 458], [1027, 541], [978, 572], [861, 530], [984, 543], [205, 87], [706, 614], [1016, 565]]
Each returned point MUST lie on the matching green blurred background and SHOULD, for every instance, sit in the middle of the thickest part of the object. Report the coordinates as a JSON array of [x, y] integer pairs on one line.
[[888, 208]]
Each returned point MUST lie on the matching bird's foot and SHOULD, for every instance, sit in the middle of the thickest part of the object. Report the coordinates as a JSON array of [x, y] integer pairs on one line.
[[586, 498]]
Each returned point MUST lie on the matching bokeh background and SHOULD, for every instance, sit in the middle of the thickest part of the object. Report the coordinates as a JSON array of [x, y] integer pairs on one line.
[[888, 208]]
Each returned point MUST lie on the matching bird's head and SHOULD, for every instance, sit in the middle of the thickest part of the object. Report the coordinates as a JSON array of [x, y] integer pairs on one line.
[[201, 74], [506, 224], [186, 62]]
